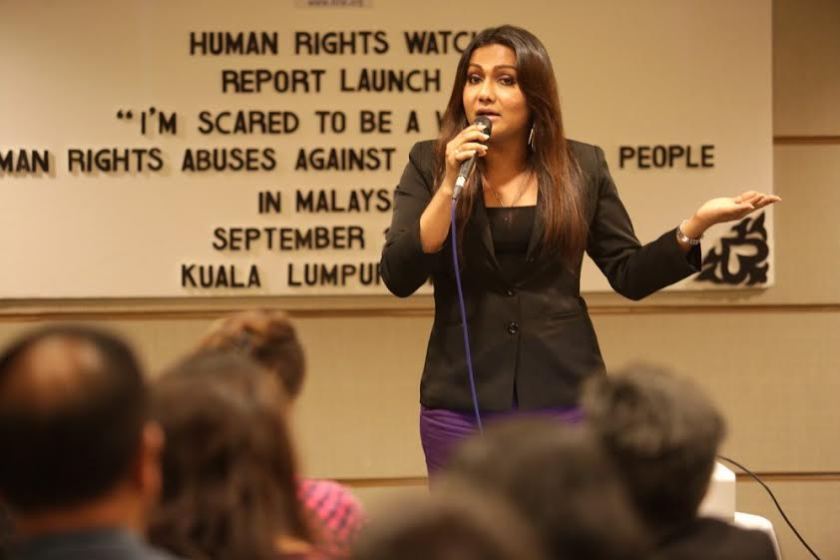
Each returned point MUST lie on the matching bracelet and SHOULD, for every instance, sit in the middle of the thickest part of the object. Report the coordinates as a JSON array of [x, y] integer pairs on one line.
[[683, 238]]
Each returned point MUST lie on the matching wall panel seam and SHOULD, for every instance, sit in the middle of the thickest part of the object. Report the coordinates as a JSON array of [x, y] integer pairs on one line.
[[805, 140], [13, 316], [768, 476]]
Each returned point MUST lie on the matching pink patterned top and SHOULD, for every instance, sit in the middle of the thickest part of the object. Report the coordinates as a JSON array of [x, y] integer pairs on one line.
[[338, 515]]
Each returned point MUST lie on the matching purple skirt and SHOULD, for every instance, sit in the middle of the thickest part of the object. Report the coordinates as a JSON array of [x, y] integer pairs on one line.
[[441, 430]]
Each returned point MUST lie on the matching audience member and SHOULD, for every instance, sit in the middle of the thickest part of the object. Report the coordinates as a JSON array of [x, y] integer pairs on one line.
[[458, 526], [229, 487], [80, 467], [5, 533], [664, 434], [557, 477], [270, 338]]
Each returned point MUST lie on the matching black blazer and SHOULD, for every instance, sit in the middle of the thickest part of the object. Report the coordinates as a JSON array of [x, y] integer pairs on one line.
[[532, 337]]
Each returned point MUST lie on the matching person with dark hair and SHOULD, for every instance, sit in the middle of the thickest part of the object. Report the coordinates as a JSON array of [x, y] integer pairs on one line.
[[80, 464], [270, 338], [230, 488], [558, 478], [534, 204], [663, 434], [461, 525], [5, 533]]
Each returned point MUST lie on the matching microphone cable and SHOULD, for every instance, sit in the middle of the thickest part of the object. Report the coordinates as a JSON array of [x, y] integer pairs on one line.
[[775, 501], [463, 177], [462, 307]]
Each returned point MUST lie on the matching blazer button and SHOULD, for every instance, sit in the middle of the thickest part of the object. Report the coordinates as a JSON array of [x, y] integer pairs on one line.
[[510, 293], [513, 327]]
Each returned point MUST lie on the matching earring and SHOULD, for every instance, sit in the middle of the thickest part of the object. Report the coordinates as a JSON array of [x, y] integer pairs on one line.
[[531, 139]]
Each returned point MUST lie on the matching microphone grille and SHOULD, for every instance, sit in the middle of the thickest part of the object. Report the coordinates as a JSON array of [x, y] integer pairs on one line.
[[488, 125]]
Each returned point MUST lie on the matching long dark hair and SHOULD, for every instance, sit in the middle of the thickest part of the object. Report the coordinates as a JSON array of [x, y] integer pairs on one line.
[[557, 172], [230, 486]]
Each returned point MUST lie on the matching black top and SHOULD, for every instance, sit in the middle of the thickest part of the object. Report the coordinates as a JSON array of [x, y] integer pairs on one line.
[[530, 335], [712, 539], [511, 231]]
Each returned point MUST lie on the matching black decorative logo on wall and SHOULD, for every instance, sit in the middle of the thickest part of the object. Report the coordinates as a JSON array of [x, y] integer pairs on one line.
[[741, 256]]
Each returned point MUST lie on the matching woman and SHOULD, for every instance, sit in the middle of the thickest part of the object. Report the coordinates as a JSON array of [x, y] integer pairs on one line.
[[534, 204], [270, 339], [230, 489]]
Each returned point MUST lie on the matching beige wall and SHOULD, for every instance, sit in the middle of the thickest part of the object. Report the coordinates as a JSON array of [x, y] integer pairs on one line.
[[771, 359]]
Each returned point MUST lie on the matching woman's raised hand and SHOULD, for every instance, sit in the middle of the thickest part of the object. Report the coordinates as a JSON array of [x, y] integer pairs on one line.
[[467, 143], [726, 209]]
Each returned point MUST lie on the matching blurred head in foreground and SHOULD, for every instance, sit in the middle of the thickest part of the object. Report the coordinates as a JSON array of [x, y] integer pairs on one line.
[[459, 526], [560, 481], [663, 434], [229, 471], [269, 338], [77, 447]]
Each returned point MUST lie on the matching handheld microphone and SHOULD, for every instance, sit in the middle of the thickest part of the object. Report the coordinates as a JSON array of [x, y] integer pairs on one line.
[[467, 166]]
